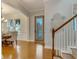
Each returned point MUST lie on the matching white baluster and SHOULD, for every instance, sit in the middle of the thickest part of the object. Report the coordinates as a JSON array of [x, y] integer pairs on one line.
[[64, 38], [67, 37], [60, 42], [72, 35]]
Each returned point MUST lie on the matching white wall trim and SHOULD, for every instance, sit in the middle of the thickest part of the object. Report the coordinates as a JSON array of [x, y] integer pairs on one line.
[[47, 47], [30, 40], [27, 40]]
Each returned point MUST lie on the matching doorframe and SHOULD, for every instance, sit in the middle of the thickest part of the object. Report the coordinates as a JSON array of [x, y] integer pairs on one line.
[[43, 41]]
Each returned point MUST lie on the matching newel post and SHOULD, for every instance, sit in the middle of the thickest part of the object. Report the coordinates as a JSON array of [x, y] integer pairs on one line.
[[53, 51]]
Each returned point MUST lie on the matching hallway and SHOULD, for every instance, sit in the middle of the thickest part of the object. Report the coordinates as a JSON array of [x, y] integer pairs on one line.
[[39, 21]]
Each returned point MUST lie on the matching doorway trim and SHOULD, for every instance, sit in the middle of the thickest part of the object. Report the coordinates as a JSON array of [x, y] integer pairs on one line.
[[43, 41]]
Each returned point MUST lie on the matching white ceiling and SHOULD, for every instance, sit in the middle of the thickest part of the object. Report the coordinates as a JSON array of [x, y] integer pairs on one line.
[[27, 5], [7, 9]]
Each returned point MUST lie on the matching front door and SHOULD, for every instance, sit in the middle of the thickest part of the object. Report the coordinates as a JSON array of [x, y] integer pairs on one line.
[[39, 28]]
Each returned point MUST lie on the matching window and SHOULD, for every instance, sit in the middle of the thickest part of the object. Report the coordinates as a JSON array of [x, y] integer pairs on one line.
[[11, 25], [14, 25]]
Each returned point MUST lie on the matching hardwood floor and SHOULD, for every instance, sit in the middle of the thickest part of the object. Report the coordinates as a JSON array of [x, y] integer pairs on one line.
[[26, 50]]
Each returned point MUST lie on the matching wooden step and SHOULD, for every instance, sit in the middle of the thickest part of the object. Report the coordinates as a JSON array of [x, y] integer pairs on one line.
[[67, 55], [58, 57], [74, 52]]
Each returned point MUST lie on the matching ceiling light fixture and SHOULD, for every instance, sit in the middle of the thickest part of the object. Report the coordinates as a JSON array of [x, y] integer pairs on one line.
[[5, 20], [2, 18]]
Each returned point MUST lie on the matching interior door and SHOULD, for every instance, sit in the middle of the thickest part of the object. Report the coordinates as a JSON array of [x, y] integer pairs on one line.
[[39, 28]]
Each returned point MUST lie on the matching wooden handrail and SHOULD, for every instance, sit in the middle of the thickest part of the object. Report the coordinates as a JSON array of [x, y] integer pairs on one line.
[[65, 23]]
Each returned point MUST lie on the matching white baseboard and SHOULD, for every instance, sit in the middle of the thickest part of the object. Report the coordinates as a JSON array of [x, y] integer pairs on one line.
[[48, 47], [26, 40], [30, 40]]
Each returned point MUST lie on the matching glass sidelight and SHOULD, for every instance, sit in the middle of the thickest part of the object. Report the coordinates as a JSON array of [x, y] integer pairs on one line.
[[39, 28]]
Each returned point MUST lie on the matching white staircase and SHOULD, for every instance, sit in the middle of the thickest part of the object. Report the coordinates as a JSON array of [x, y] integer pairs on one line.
[[65, 40]]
